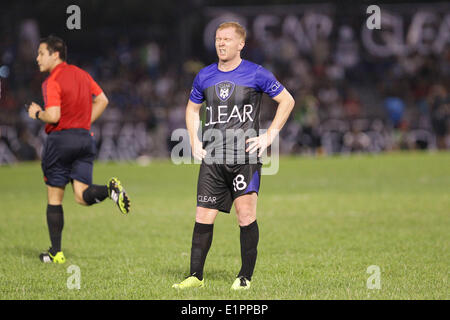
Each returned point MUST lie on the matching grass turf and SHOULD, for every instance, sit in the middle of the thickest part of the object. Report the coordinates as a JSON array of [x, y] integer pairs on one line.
[[323, 222]]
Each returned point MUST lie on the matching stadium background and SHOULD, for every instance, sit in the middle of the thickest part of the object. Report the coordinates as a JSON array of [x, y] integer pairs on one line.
[[323, 219], [356, 90]]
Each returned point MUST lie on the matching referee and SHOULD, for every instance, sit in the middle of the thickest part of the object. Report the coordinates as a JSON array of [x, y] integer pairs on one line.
[[69, 150], [230, 172]]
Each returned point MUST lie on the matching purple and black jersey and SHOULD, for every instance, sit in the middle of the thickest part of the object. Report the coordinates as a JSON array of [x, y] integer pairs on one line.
[[233, 101]]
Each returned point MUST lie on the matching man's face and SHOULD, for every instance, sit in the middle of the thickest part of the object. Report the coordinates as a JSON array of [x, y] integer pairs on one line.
[[44, 59], [228, 44]]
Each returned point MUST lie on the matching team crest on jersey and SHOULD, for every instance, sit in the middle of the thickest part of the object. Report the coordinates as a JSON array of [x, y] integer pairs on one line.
[[224, 90]]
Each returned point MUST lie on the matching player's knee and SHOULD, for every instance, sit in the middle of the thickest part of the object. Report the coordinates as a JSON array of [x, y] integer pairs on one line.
[[206, 216], [246, 217]]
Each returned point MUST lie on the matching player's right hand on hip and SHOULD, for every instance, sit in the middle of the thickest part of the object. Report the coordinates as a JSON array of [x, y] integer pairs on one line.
[[197, 150]]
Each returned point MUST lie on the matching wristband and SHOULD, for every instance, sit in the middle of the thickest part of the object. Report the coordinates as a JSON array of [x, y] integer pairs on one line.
[[37, 114]]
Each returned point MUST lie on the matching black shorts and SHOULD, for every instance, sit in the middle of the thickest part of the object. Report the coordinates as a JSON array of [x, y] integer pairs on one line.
[[219, 184], [68, 155]]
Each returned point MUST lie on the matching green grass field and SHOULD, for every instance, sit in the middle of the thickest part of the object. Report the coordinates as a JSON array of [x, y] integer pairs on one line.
[[323, 222]]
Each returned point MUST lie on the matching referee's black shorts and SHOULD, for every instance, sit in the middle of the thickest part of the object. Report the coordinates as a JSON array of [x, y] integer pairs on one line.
[[68, 155], [220, 184]]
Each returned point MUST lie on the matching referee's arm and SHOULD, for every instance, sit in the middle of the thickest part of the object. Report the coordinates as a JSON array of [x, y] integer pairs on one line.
[[99, 104], [51, 114]]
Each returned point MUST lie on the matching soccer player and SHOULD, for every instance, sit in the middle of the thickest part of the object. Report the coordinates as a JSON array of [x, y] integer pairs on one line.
[[232, 89], [69, 150]]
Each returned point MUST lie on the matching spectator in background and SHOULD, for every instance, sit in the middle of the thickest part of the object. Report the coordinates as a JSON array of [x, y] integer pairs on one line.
[[307, 115], [395, 107], [440, 113], [140, 77], [352, 104]]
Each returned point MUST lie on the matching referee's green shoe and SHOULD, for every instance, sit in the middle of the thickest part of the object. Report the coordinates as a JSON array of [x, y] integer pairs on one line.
[[241, 283], [190, 282], [118, 194]]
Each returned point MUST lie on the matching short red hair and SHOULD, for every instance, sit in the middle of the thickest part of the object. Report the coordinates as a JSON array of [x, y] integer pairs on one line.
[[240, 30]]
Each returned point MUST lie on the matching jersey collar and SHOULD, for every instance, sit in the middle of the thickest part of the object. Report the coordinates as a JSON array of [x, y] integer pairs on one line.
[[62, 64]]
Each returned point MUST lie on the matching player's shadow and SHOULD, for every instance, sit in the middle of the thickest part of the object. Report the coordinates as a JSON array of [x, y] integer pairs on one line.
[[215, 274], [219, 274]]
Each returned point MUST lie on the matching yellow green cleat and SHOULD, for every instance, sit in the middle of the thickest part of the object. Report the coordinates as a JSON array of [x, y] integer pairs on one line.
[[241, 283], [47, 257], [118, 194], [190, 282]]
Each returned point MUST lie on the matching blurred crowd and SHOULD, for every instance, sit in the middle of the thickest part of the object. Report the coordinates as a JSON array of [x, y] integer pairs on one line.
[[346, 100]]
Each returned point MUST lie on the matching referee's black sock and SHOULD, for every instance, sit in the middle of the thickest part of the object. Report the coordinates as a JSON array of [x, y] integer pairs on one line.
[[95, 194], [201, 242], [249, 244], [55, 222]]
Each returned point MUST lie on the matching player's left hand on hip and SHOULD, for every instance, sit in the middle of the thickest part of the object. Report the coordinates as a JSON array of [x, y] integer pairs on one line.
[[34, 107], [258, 143]]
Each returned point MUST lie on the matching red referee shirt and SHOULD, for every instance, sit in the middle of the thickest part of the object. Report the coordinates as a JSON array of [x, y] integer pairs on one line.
[[71, 88]]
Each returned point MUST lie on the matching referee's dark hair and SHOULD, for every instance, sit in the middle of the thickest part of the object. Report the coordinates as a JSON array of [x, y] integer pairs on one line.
[[55, 44]]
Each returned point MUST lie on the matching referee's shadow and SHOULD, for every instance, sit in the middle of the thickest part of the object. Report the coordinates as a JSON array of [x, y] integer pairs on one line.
[[28, 252]]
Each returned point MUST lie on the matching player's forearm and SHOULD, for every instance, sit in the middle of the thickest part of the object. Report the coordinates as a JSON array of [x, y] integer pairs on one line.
[[282, 115], [192, 123]]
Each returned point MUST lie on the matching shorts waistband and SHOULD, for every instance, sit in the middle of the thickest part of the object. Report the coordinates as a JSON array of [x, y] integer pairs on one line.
[[74, 130]]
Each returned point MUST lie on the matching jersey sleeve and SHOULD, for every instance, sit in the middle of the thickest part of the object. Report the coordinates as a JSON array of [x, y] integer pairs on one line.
[[197, 95], [51, 91], [267, 83]]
